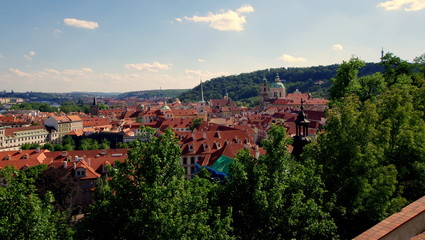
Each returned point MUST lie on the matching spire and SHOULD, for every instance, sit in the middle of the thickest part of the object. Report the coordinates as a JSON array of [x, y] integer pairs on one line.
[[277, 79], [302, 108], [382, 53], [202, 92], [94, 101]]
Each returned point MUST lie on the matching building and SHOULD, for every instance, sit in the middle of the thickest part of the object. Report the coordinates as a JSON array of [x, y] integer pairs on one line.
[[14, 138], [62, 125], [94, 108], [269, 92]]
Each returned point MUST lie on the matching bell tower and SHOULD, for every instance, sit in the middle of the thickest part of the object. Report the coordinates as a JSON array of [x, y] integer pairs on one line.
[[301, 138]]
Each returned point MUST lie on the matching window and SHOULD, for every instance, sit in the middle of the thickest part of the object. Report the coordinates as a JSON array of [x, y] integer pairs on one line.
[[80, 173]]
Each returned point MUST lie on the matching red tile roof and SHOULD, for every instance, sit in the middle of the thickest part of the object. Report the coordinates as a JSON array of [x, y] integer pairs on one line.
[[11, 131]]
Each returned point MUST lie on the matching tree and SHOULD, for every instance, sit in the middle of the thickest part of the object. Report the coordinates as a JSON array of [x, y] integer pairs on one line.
[[23, 214], [355, 170], [346, 78], [148, 198], [368, 87], [105, 144], [89, 144], [276, 197], [195, 123], [29, 146], [68, 140], [63, 187], [48, 146], [394, 67], [401, 108], [58, 147]]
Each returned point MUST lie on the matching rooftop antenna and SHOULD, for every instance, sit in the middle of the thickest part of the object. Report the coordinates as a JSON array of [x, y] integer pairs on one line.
[[382, 53]]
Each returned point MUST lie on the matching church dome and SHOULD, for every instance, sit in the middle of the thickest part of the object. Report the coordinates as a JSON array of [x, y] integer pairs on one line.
[[276, 85], [165, 107]]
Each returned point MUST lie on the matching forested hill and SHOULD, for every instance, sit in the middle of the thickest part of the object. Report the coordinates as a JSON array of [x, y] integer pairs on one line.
[[168, 93], [244, 87]]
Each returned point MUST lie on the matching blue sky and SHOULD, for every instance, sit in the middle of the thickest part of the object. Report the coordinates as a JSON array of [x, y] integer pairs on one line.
[[130, 45]]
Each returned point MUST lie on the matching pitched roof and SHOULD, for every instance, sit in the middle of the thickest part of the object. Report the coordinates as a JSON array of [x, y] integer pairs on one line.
[[11, 131]]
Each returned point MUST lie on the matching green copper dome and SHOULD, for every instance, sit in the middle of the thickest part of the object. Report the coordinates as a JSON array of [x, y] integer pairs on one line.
[[165, 107], [276, 85]]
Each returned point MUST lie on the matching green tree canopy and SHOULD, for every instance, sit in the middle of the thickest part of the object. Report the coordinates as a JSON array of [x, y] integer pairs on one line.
[[148, 198], [276, 197], [23, 214]]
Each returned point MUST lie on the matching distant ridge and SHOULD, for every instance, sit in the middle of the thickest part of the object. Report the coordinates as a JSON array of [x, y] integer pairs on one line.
[[244, 87], [149, 94]]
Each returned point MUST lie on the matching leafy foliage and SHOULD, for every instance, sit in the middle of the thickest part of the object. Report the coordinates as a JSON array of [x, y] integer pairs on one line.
[[372, 150], [148, 198], [24, 215], [276, 197], [64, 188]]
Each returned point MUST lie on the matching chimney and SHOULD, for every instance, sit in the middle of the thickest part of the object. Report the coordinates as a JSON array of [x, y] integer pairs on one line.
[[65, 164], [76, 158], [20, 150], [89, 162], [204, 135], [37, 150], [75, 165], [103, 152], [64, 153]]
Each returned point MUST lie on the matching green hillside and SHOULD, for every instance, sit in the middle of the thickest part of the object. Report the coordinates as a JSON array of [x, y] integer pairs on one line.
[[149, 94], [244, 87]]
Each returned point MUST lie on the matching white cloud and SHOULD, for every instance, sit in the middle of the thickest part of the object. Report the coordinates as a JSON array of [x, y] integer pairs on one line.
[[206, 75], [86, 69], [225, 20], [179, 20], [1, 55], [152, 67], [412, 5], [337, 47], [289, 58], [80, 23], [29, 55], [245, 9], [19, 73], [201, 60], [57, 32]]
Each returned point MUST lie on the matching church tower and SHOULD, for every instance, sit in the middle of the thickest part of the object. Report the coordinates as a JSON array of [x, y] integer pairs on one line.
[[301, 138], [94, 108], [201, 106], [264, 92]]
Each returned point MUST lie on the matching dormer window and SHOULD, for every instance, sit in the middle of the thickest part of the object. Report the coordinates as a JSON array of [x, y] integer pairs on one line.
[[80, 172], [190, 147]]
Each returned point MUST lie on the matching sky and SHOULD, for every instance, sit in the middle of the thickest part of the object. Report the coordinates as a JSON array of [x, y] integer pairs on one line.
[[133, 45]]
